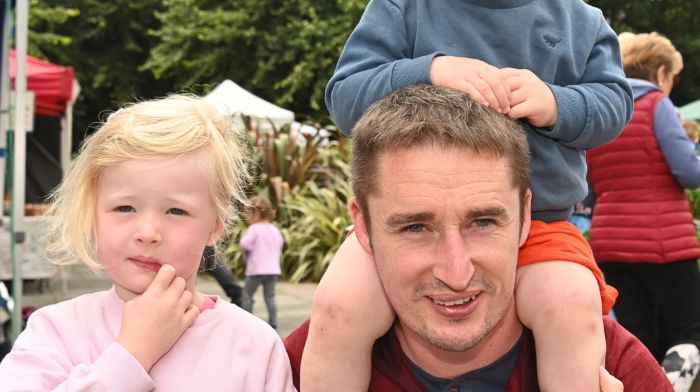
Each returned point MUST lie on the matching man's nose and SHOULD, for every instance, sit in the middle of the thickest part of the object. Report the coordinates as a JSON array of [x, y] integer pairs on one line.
[[453, 265], [148, 229]]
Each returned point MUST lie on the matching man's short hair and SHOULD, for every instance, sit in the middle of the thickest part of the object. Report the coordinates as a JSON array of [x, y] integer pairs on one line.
[[432, 116]]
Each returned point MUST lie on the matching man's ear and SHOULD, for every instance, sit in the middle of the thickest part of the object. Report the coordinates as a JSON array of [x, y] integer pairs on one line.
[[525, 229], [358, 220], [216, 233]]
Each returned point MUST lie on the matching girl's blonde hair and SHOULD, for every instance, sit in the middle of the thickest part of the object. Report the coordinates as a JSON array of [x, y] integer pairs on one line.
[[156, 129], [643, 54]]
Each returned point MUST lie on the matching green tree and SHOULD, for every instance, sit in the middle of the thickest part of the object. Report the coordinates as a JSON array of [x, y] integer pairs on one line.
[[284, 51], [106, 43], [679, 20]]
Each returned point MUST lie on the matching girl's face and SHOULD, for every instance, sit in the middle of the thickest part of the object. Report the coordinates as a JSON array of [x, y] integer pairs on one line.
[[150, 213], [252, 215]]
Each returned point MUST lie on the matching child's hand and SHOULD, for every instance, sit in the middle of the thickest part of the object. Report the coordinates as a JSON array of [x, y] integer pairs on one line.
[[482, 81], [608, 383], [156, 319], [530, 98]]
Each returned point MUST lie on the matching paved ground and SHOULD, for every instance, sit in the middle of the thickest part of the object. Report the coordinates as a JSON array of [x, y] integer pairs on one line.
[[293, 300]]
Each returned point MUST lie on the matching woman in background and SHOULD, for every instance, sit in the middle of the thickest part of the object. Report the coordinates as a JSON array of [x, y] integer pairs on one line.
[[642, 232]]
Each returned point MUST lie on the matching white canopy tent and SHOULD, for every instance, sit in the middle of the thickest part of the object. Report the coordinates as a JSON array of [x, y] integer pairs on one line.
[[233, 99]]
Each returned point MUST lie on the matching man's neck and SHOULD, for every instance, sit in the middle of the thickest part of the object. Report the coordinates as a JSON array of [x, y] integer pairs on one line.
[[448, 365]]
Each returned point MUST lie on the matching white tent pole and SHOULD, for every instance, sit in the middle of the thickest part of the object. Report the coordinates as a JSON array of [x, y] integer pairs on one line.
[[4, 97], [66, 137], [19, 159]]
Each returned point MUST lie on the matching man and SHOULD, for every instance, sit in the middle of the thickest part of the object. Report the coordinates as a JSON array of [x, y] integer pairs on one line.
[[443, 204]]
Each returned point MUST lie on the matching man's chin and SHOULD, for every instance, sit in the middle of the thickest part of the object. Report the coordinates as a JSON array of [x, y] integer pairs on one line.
[[458, 335], [454, 343]]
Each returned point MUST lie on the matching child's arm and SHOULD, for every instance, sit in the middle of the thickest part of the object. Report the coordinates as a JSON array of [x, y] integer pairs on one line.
[[560, 302], [154, 321], [349, 312], [379, 57], [595, 109]]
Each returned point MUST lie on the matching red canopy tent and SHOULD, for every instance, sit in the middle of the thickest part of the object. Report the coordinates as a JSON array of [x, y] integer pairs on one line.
[[52, 85]]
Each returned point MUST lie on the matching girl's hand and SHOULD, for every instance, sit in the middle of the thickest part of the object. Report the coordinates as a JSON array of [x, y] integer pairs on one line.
[[154, 321]]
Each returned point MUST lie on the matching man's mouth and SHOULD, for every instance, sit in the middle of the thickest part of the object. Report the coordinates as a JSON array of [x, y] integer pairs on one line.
[[457, 302]]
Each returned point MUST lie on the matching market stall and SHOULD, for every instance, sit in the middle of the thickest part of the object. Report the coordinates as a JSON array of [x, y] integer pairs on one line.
[[47, 154]]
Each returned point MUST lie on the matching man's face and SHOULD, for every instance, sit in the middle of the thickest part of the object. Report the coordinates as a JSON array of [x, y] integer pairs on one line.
[[445, 231]]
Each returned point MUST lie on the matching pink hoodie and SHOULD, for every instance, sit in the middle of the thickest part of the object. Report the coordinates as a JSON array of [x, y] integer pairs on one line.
[[70, 346]]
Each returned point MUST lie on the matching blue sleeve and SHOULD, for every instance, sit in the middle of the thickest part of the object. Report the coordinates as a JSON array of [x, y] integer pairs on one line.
[[376, 60], [678, 150], [595, 110]]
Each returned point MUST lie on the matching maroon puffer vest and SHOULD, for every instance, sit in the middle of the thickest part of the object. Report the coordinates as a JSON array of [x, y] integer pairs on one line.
[[641, 214]]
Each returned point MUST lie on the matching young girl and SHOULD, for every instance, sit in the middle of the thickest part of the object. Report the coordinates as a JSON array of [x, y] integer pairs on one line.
[[149, 190], [262, 246]]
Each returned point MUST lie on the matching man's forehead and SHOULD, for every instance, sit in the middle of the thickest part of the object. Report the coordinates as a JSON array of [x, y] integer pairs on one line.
[[440, 173], [388, 161]]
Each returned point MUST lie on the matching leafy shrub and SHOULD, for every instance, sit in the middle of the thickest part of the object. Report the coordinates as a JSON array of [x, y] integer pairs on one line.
[[306, 178]]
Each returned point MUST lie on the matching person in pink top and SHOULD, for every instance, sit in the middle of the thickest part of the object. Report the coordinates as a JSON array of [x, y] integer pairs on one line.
[[262, 247], [150, 189]]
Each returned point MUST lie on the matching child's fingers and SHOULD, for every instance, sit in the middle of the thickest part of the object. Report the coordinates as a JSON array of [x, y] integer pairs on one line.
[[190, 315], [178, 285], [514, 82], [608, 383], [470, 90], [518, 96], [510, 72], [485, 89], [164, 277], [520, 110], [184, 301], [495, 90]]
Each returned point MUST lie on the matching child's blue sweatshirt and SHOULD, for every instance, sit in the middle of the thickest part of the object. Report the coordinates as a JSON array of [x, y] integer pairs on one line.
[[566, 43]]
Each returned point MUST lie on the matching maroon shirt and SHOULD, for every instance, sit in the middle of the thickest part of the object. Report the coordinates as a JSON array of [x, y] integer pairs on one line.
[[626, 359]]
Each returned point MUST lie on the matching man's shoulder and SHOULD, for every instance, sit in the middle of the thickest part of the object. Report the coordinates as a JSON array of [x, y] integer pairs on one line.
[[294, 344], [390, 372], [630, 361]]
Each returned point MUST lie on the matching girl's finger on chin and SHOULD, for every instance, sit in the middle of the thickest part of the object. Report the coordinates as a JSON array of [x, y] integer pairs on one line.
[[178, 285], [165, 275]]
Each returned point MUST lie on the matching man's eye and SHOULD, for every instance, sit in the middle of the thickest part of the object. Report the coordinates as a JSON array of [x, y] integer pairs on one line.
[[124, 209], [177, 211], [414, 228], [483, 222]]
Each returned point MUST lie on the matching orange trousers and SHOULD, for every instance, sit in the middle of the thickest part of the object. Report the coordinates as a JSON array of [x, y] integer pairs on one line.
[[562, 241]]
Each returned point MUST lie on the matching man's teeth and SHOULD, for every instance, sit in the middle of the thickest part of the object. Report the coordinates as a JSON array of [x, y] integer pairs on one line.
[[454, 303]]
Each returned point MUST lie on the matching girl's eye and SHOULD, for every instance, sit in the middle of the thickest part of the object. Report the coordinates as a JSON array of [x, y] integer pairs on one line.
[[414, 228], [177, 211], [125, 209]]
